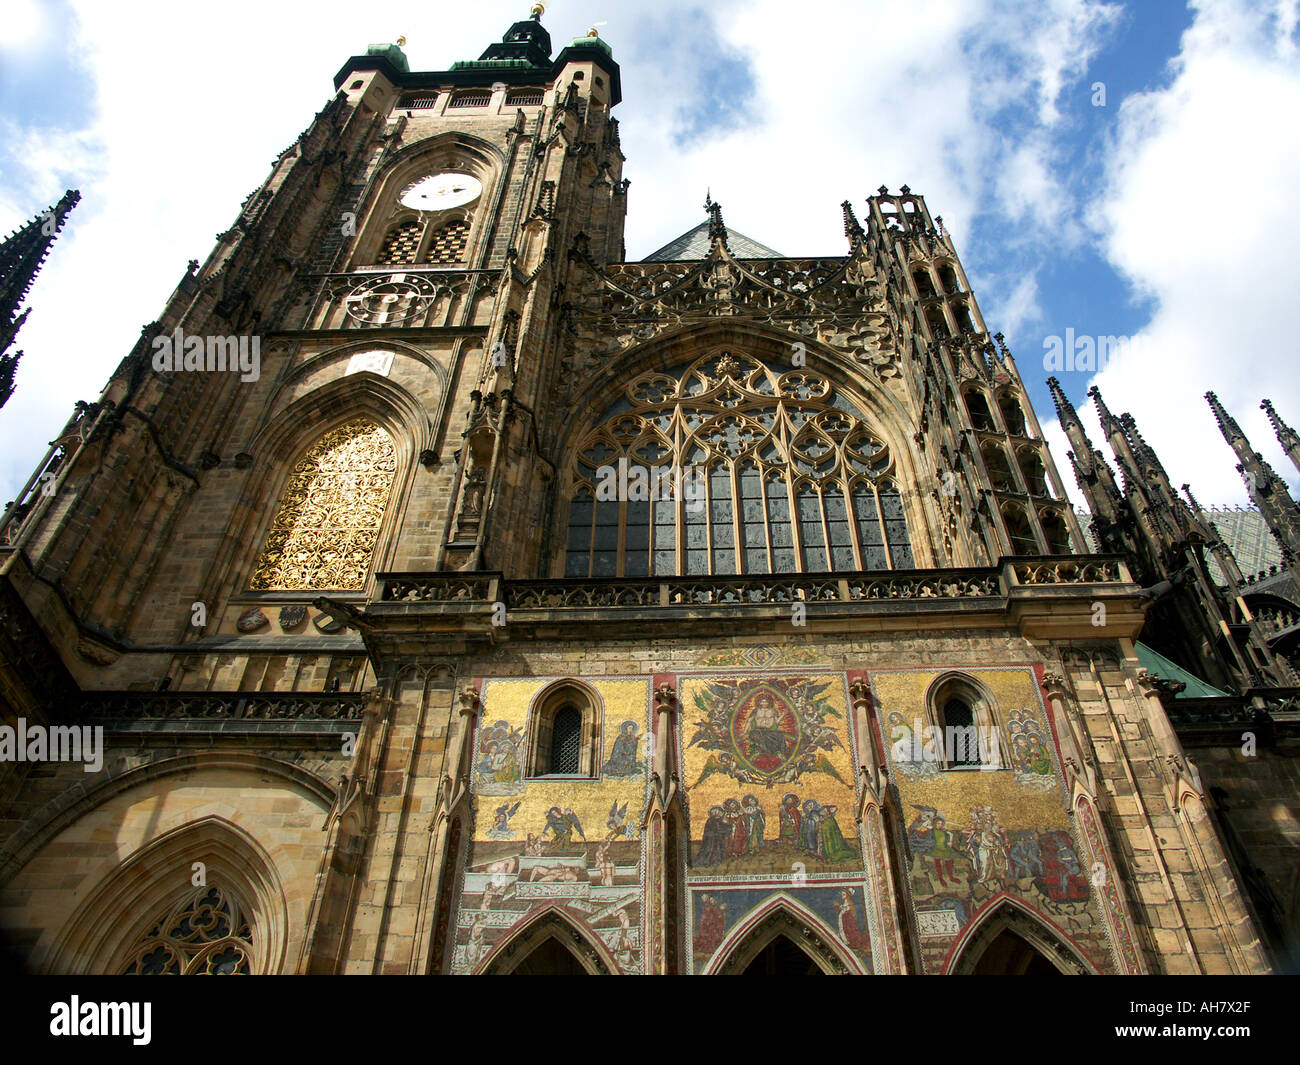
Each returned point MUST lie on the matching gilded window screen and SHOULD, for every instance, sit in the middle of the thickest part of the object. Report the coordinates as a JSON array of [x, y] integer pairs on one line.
[[447, 245], [205, 934], [789, 478], [400, 245], [324, 534]]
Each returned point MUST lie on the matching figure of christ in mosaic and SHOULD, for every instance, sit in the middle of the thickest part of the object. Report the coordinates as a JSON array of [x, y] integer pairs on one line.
[[767, 731]]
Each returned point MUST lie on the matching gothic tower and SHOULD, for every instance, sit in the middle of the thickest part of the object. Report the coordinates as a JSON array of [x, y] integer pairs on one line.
[[467, 598], [22, 254]]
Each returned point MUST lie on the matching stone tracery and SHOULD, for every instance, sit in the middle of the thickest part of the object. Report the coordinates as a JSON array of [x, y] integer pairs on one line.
[[324, 533], [705, 460]]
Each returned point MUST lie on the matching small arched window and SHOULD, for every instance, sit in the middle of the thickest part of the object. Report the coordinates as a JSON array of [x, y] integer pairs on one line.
[[948, 278], [1012, 415], [978, 406], [1031, 465], [1056, 531], [564, 733], [447, 245], [924, 286], [968, 733], [999, 467], [1020, 532]]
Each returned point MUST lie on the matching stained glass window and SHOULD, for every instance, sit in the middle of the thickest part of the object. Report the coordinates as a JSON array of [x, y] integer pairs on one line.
[[728, 466], [324, 534]]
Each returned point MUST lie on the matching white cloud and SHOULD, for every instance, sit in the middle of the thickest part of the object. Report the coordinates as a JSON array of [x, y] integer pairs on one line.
[[1198, 212]]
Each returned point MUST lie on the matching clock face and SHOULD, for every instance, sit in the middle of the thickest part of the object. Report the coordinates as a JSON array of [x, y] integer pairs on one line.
[[437, 192], [389, 299]]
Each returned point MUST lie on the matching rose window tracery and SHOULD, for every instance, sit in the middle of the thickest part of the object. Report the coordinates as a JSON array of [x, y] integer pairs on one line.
[[732, 466]]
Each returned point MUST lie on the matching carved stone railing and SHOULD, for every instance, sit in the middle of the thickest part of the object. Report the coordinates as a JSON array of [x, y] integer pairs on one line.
[[1069, 571], [437, 588], [223, 706], [758, 590]]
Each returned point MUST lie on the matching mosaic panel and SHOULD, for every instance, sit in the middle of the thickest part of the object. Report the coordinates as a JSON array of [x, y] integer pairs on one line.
[[974, 835], [767, 763], [570, 841]]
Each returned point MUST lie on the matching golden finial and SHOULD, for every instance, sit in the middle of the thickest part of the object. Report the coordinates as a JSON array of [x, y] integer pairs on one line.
[[401, 41], [593, 32], [538, 10]]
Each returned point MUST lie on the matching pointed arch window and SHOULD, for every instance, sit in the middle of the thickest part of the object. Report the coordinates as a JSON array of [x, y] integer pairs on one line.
[[1021, 534], [206, 933], [730, 466], [324, 534], [564, 733]]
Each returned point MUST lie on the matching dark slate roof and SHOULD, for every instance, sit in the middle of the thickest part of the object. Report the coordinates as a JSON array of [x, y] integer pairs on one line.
[[694, 244]]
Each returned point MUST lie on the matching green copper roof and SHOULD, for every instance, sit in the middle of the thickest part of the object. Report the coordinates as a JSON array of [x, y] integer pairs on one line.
[[1154, 662], [392, 53], [592, 42]]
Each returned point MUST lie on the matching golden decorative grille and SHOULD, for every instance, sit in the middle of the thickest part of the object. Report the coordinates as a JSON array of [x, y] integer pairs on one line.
[[205, 934], [448, 244], [769, 471], [324, 534], [401, 244]]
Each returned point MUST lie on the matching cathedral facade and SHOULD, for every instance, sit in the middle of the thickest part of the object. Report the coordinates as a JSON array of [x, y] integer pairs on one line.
[[440, 592]]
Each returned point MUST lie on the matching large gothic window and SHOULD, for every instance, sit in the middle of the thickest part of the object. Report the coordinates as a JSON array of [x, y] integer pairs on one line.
[[204, 934], [731, 466], [324, 534]]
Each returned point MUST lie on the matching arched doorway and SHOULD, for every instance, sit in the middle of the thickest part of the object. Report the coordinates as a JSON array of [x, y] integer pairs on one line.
[[1011, 940], [1011, 955], [781, 957], [550, 958], [782, 938], [549, 944]]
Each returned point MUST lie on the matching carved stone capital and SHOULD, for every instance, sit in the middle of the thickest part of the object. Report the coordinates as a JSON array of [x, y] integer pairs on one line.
[[860, 690], [469, 701], [665, 699]]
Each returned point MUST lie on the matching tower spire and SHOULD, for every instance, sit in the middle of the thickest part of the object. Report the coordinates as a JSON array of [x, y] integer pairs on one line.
[[852, 228], [1286, 436], [717, 228], [1267, 490], [22, 254]]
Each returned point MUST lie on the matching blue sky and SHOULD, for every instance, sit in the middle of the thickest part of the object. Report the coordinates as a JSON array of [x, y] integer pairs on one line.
[[1166, 215]]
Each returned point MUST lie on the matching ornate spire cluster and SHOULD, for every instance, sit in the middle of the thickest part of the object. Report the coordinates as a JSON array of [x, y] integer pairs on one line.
[[1167, 539], [22, 254]]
